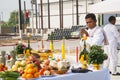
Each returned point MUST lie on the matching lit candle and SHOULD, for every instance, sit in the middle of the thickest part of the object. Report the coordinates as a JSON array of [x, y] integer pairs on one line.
[[51, 42], [63, 51], [63, 48], [51, 46], [42, 44], [76, 54]]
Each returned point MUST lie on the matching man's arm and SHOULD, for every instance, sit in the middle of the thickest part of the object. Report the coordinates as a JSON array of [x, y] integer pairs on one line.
[[97, 38]]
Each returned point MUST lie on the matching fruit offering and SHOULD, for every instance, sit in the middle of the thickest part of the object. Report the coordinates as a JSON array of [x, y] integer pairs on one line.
[[19, 66], [3, 67], [46, 69], [60, 66], [34, 59], [31, 71]]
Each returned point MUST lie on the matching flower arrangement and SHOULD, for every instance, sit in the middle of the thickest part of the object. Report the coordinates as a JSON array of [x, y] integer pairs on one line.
[[96, 55], [20, 47]]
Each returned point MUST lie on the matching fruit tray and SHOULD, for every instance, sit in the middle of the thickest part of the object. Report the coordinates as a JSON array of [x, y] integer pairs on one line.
[[61, 71]]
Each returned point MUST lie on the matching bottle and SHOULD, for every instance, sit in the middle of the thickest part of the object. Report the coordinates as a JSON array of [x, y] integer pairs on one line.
[[83, 56], [27, 51]]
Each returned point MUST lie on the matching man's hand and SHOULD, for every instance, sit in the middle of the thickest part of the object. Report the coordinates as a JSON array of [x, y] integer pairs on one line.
[[83, 31]]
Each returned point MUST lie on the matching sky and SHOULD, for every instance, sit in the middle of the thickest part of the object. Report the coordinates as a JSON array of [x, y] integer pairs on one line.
[[8, 6]]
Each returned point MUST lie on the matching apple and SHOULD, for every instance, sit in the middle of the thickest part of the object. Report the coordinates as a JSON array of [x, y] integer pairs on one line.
[[47, 72], [14, 68], [17, 63], [37, 62], [46, 62], [1, 69], [23, 63], [32, 58], [20, 69], [21, 72], [5, 68]]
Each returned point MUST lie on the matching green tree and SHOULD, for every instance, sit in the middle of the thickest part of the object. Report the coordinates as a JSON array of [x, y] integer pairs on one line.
[[13, 20], [4, 24]]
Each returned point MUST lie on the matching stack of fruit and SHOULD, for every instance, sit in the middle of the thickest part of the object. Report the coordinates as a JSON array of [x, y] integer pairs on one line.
[[19, 66], [46, 69], [34, 59], [2, 67], [31, 71]]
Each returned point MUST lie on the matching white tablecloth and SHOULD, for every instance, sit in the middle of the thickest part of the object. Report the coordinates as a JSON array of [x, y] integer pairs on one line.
[[95, 75]]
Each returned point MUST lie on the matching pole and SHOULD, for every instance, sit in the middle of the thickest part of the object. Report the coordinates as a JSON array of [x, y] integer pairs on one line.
[[41, 17], [60, 13], [86, 7], [20, 20], [24, 17], [32, 19], [72, 12], [36, 16], [48, 14], [77, 16], [1, 16], [0, 24]]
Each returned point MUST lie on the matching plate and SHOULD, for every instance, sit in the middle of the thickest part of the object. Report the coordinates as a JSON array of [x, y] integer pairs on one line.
[[80, 70], [61, 71]]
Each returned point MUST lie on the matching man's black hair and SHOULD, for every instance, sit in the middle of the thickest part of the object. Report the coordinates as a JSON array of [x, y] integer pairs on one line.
[[91, 15], [111, 18]]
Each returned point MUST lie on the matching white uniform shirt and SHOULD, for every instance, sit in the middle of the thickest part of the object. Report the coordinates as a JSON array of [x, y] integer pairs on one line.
[[111, 32], [96, 36]]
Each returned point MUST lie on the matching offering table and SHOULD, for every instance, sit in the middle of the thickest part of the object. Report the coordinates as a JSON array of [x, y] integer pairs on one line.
[[95, 75]]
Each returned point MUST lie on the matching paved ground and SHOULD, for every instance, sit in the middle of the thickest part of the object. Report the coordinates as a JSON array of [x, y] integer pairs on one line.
[[69, 44]]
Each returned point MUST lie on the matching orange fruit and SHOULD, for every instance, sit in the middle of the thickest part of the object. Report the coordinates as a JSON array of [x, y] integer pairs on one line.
[[52, 72], [30, 65], [36, 75], [35, 69], [27, 59], [25, 71], [41, 72], [30, 70], [24, 75], [29, 76]]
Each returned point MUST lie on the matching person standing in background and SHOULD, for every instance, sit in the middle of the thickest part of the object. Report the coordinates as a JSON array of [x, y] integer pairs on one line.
[[112, 36], [15, 30], [95, 35]]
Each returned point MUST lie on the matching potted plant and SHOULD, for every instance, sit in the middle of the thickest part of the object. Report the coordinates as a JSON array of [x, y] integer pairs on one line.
[[20, 47], [96, 56]]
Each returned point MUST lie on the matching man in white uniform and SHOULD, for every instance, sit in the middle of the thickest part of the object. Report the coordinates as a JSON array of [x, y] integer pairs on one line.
[[112, 35], [94, 33]]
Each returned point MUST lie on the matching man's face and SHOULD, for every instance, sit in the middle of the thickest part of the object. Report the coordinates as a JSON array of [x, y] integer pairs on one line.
[[113, 22], [90, 23]]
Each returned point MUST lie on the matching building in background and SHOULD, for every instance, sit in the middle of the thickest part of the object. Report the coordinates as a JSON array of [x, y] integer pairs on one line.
[[69, 12]]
